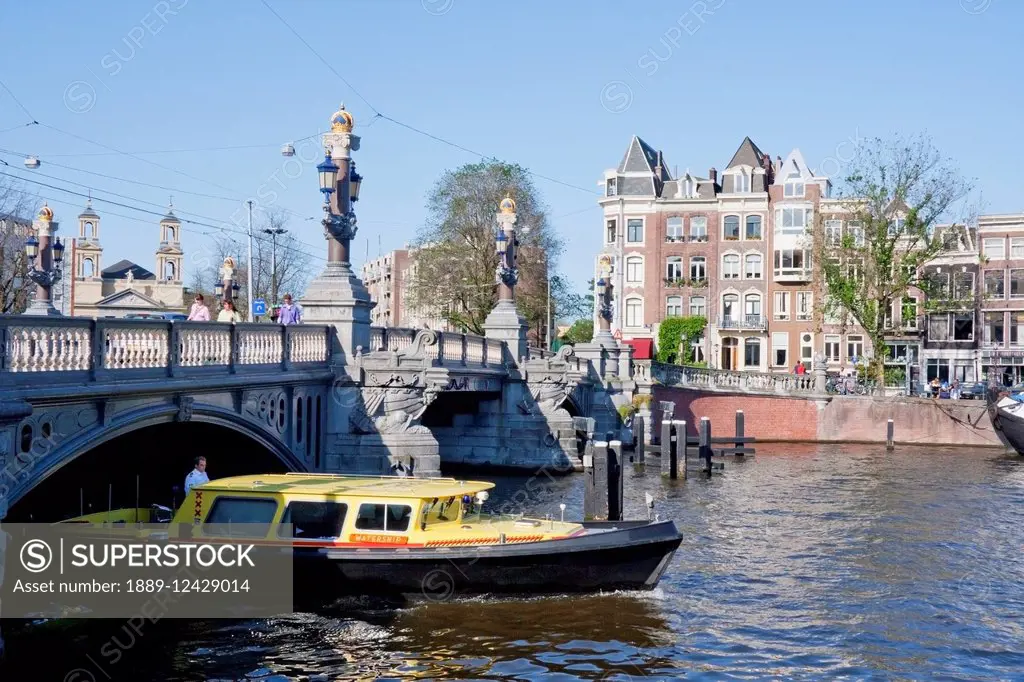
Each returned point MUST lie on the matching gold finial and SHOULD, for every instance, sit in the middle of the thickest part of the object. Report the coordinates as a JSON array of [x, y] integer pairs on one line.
[[507, 205], [342, 121], [46, 213]]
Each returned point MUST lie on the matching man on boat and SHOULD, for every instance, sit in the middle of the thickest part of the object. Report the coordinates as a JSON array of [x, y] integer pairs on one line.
[[198, 475]]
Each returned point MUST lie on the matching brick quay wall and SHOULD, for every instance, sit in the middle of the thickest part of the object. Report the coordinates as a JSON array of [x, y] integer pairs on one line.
[[835, 419]]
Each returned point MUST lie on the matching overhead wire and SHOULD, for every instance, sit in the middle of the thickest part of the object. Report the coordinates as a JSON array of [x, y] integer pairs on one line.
[[18, 102]]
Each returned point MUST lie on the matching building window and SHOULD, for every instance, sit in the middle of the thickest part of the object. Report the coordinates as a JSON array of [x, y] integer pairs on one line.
[[995, 281], [753, 227], [674, 229], [88, 267], [689, 188], [634, 312], [752, 308], [781, 305], [803, 305], [169, 270], [938, 327], [963, 327], [172, 234], [698, 268], [731, 228], [634, 269], [698, 229], [780, 349], [674, 267], [856, 231], [963, 371], [674, 306], [697, 345], [730, 308], [994, 248], [611, 187], [88, 232], [963, 285], [752, 353], [1017, 329], [794, 186], [1016, 283], [854, 347], [832, 343], [806, 347], [791, 262], [752, 266], [741, 182], [698, 306], [635, 230], [833, 232], [994, 335], [791, 220], [937, 368], [610, 233], [731, 266], [901, 353], [908, 313], [1017, 247]]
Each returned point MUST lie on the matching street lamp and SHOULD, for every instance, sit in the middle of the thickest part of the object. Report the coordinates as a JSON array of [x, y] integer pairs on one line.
[[218, 289], [355, 181], [502, 243], [328, 171], [273, 232], [49, 255], [603, 304]]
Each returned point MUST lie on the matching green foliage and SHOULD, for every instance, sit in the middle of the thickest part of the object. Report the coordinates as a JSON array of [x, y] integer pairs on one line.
[[626, 412], [642, 401], [898, 191], [671, 333], [581, 331]]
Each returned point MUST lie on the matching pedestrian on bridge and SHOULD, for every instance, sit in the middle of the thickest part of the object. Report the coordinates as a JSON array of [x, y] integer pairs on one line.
[[199, 311], [229, 314], [289, 312], [198, 475]]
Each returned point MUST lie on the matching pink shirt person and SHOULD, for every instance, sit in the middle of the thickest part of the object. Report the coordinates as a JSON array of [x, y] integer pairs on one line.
[[199, 311]]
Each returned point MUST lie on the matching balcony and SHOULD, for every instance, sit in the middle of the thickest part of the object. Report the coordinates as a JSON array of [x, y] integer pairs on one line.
[[792, 275], [756, 322]]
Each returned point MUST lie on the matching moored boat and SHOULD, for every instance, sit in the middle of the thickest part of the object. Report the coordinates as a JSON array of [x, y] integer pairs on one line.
[[1007, 414], [416, 537]]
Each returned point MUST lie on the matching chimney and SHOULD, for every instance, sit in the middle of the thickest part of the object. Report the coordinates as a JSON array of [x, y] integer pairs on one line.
[[657, 169], [713, 174], [778, 163]]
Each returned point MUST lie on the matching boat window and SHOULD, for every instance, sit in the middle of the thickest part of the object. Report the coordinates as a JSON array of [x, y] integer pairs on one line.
[[315, 519], [384, 517], [440, 510], [240, 516]]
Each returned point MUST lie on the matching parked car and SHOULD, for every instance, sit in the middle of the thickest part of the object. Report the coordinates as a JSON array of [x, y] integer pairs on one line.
[[174, 317], [973, 391]]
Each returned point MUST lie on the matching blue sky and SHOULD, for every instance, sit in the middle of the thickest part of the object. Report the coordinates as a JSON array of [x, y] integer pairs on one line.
[[556, 86]]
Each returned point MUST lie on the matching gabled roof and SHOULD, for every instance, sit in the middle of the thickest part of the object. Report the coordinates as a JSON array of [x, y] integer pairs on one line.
[[119, 270], [643, 158], [794, 163], [129, 298], [748, 154]]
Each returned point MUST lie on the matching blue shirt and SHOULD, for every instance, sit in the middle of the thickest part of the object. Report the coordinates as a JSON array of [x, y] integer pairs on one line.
[[289, 314]]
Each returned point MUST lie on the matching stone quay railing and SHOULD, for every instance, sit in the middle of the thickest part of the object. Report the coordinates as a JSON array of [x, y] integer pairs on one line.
[[60, 344], [724, 380], [451, 349]]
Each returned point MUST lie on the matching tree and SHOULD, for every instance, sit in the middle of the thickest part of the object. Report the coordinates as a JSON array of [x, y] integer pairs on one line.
[[455, 257], [15, 224], [900, 191], [675, 333], [570, 303], [581, 331]]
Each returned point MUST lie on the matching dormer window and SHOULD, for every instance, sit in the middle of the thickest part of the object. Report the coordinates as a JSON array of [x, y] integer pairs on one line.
[[689, 188], [611, 187], [741, 183], [794, 186]]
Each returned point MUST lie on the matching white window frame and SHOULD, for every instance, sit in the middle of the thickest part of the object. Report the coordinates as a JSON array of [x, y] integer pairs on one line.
[[806, 347], [855, 346], [760, 269], [833, 232], [836, 341], [737, 309], [676, 261], [783, 314], [750, 297], [760, 227], [614, 224], [703, 302], [611, 187], [703, 262], [741, 182], [780, 341], [669, 236], [631, 260], [792, 211], [856, 230], [809, 297], [739, 266], [794, 189], [1016, 248], [702, 222], [739, 227], [994, 248], [910, 325], [643, 229], [669, 305], [631, 304]]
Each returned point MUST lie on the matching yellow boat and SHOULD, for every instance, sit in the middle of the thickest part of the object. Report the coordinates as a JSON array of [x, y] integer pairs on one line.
[[409, 536]]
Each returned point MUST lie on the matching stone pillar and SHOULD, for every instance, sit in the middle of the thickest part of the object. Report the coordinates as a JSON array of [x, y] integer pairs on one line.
[[603, 302], [820, 374], [336, 296], [504, 321], [43, 272]]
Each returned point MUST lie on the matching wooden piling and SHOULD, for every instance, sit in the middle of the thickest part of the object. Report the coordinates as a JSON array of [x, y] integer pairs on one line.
[[595, 500], [740, 444], [666, 447], [639, 428], [615, 480], [890, 435], [683, 445], [704, 445]]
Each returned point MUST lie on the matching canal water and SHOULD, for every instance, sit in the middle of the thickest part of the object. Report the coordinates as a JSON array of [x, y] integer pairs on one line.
[[802, 563]]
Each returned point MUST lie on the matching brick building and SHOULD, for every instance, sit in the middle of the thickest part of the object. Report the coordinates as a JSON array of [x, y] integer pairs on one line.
[[1001, 241]]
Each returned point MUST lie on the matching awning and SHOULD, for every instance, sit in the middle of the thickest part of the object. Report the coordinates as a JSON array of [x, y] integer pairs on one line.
[[643, 349]]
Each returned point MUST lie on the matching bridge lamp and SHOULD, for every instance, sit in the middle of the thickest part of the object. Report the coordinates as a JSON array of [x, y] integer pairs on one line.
[[32, 247], [355, 181], [218, 289], [58, 251], [328, 171], [235, 288], [601, 287], [502, 242]]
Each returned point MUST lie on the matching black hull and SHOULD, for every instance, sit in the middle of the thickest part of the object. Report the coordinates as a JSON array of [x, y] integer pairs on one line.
[[631, 558], [1008, 427]]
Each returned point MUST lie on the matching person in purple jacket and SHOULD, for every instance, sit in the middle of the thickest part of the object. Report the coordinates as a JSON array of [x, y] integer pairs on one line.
[[289, 312]]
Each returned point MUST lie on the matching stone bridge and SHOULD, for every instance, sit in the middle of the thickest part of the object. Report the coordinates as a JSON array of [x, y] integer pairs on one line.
[[409, 401]]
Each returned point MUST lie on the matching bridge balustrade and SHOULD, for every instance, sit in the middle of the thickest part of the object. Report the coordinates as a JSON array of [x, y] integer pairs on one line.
[[69, 345], [725, 380], [451, 349]]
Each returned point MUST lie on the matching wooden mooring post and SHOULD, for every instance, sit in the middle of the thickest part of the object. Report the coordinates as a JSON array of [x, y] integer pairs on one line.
[[595, 490], [890, 435], [639, 429], [704, 445], [739, 433], [673, 436], [615, 483], [683, 443]]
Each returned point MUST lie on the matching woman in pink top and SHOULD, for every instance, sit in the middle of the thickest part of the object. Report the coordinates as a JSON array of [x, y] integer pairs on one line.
[[199, 312]]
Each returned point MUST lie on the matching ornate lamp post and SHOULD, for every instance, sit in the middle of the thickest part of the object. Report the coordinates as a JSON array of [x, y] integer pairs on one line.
[[49, 256], [603, 302], [504, 321], [227, 288]]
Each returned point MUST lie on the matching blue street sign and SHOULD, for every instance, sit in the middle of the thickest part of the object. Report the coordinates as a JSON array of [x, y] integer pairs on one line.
[[259, 307]]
